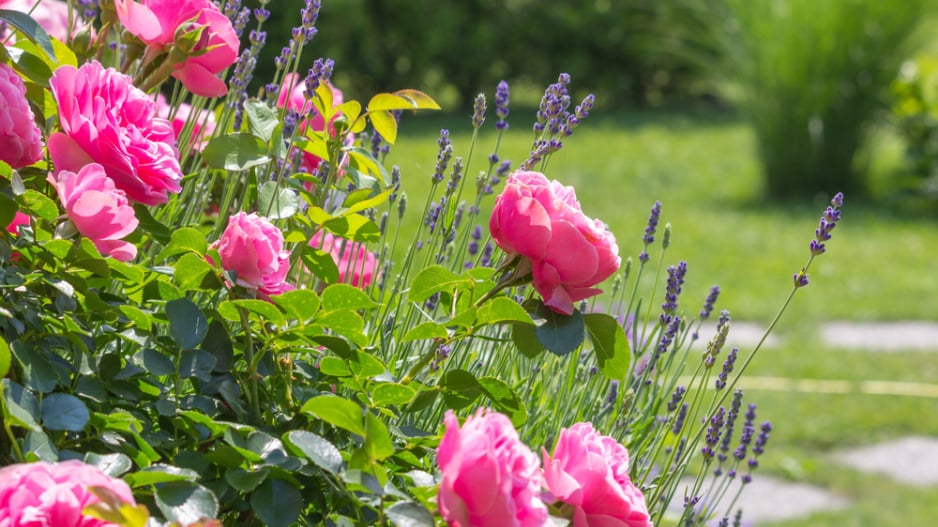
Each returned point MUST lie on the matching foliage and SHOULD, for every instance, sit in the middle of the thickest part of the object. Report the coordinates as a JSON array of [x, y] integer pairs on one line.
[[812, 77], [915, 113]]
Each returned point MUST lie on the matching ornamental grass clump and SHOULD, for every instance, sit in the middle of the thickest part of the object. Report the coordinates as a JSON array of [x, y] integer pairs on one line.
[[200, 296]]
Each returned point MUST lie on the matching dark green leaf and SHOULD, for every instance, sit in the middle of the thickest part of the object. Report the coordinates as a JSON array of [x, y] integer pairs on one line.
[[610, 344], [336, 411], [61, 411], [276, 202], [38, 374], [245, 480], [186, 502], [345, 296], [559, 334], [277, 503], [148, 223], [432, 280], [187, 323], [505, 400], [460, 388], [114, 465], [22, 405], [154, 362], [196, 363], [160, 473], [321, 452], [31, 29], [523, 337], [235, 152], [409, 514], [219, 345]]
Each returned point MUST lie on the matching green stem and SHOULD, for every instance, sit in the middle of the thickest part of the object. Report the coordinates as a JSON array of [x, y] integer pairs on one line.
[[6, 427], [252, 365]]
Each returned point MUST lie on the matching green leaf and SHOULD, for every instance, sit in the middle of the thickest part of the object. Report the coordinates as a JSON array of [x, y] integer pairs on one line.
[[432, 280], [559, 334], [186, 502], [362, 199], [384, 123], [354, 227], [460, 388], [524, 338], [187, 323], [114, 465], [347, 323], [409, 514], [502, 309], [237, 151], [334, 366], [505, 400], [390, 101], [427, 330], [362, 161], [192, 272], [30, 28], [148, 223], [22, 405], [277, 202], [262, 119], [131, 272], [301, 304], [346, 297], [154, 362], [320, 263], [378, 443], [39, 205], [61, 411], [140, 318], [6, 358], [184, 240], [264, 311], [218, 344], [610, 344], [277, 503], [245, 480], [317, 449], [38, 374], [418, 99], [391, 393], [160, 473], [196, 363], [86, 256], [336, 411], [7, 210]]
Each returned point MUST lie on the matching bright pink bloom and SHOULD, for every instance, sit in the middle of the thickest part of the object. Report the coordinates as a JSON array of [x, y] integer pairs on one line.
[[569, 253], [52, 15], [202, 127], [157, 22], [293, 96], [20, 138], [252, 247], [18, 219], [106, 120], [53, 495], [489, 477], [357, 265], [99, 211], [590, 471]]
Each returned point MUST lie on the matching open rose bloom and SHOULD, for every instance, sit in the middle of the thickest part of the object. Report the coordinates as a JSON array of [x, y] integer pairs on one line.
[[489, 477], [54, 494], [252, 247], [20, 138], [106, 120], [589, 472], [569, 253]]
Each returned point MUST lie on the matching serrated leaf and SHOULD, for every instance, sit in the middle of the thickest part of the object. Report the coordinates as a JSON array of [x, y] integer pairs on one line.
[[502, 309], [301, 304], [264, 311], [238, 151], [346, 297], [22, 405], [427, 330], [39, 205], [114, 465], [245, 480], [350, 109], [277, 503], [460, 388], [334, 366], [362, 200], [320, 263], [354, 227], [504, 399], [524, 339], [336, 411], [182, 241], [392, 393], [317, 449], [610, 344], [187, 323], [432, 280], [559, 334], [185, 502]]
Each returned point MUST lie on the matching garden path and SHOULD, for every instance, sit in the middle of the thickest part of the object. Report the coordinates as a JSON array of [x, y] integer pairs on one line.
[[909, 460]]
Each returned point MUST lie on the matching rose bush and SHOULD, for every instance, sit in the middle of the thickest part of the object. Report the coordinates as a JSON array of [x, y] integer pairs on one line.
[[54, 494], [590, 472], [252, 247], [106, 120], [20, 138], [97, 209], [293, 96], [357, 265], [488, 476], [161, 24], [540, 221]]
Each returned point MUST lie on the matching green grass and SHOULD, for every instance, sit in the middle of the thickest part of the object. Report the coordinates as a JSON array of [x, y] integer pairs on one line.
[[703, 168]]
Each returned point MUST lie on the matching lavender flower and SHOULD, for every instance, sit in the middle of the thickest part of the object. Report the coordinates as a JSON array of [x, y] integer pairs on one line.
[[613, 392], [708, 303], [727, 368], [261, 14], [676, 398], [501, 105], [680, 418], [675, 281], [478, 110], [649, 236], [443, 157], [320, 72]]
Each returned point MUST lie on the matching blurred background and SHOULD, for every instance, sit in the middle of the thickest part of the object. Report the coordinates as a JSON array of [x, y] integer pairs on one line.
[[743, 117]]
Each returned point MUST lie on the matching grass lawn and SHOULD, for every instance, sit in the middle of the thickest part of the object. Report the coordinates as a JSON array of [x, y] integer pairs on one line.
[[703, 168]]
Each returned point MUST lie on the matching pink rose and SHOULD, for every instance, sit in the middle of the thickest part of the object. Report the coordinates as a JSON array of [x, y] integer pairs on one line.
[[252, 247], [157, 22], [18, 219], [46, 494], [569, 253], [20, 138], [356, 264], [106, 120], [99, 211], [590, 472], [489, 477], [293, 96], [51, 15], [203, 123]]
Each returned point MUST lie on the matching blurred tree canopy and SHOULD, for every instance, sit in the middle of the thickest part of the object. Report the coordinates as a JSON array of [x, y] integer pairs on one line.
[[629, 52]]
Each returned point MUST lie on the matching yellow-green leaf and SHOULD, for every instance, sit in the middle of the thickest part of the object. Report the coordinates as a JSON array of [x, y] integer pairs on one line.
[[419, 99], [384, 123]]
